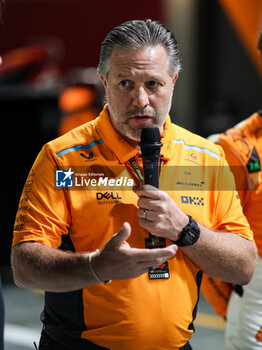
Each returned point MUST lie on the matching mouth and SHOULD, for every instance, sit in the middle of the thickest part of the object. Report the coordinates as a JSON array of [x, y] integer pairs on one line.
[[141, 117], [141, 120]]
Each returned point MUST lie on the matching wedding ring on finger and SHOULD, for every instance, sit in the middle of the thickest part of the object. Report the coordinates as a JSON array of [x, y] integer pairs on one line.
[[144, 213]]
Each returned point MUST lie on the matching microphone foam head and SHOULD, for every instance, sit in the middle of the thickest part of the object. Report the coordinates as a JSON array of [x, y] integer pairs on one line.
[[150, 134]]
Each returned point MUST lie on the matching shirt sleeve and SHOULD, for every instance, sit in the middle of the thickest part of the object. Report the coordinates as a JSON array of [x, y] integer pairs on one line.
[[228, 209], [44, 213], [239, 171]]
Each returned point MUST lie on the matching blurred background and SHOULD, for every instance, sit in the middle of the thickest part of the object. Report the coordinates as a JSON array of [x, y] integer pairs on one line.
[[49, 52]]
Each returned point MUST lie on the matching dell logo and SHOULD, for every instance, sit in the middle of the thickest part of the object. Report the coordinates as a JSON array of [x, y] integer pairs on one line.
[[107, 195]]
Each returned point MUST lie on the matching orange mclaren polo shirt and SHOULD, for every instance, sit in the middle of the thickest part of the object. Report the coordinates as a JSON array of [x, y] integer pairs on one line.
[[79, 193], [243, 148], [242, 145]]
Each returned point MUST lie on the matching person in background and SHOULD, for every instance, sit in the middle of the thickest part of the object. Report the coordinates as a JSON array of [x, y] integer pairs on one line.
[[75, 231], [78, 105], [242, 306]]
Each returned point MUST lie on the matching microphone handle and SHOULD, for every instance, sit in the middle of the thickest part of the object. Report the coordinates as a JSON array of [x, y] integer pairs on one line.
[[151, 175], [151, 171]]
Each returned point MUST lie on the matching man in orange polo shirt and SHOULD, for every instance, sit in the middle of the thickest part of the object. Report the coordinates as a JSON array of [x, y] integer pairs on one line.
[[85, 217]]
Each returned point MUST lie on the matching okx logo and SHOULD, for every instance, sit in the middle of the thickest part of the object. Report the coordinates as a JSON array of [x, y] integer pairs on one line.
[[64, 178], [192, 200]]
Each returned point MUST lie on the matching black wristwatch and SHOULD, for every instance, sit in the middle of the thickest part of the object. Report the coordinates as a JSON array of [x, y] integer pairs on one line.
[[189, 234]]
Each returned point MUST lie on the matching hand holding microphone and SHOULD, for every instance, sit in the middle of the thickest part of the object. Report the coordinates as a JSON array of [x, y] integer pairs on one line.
[[157, 212]]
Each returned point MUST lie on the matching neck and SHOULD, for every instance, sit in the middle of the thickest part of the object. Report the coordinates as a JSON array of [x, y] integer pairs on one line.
[[133, 143]]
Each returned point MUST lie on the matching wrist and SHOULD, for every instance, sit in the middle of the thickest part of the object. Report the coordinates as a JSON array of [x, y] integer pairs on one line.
[[94, 274], [176, 233], [183, 222]]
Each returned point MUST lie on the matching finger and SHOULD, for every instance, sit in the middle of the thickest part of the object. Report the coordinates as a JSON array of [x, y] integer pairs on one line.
[[150, 204], [147, 191], [151, 255], [151, 226], [121, 236], [147, 215], [152, 263], [142, 213]]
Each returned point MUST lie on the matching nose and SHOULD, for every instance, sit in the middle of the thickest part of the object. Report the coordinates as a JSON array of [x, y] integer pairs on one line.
[[140, 97]]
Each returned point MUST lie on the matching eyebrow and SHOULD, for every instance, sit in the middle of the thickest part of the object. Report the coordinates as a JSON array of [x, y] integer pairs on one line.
[[153, 77], [121, 76]]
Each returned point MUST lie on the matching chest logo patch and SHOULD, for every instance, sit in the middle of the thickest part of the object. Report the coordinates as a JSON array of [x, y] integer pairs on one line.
[[192, 200]]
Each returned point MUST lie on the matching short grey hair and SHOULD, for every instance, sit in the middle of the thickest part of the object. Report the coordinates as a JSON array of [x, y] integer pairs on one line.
[[138, 34]]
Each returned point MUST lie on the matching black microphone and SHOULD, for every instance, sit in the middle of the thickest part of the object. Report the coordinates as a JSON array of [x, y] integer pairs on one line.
[[150, 149]]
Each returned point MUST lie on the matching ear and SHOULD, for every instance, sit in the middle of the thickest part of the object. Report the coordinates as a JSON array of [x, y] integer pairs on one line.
[[103, 81], [174, 79]]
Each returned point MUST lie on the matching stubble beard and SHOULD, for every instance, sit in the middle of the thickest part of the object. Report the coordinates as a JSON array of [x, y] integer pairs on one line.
[[122, 123]]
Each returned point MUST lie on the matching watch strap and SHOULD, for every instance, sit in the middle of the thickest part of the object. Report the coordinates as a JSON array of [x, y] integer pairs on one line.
[[189, 234]]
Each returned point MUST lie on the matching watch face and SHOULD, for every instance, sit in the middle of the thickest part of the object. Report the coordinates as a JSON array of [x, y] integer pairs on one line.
[[192, 235], [188, 238]]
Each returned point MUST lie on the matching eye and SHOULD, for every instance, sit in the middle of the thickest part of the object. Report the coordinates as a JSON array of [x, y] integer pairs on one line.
[[125, 83], [152, 84]]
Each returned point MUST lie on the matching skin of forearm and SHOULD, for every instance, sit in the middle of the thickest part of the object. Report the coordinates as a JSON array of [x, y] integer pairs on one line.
[[50, 269], [37, 266], [223, 255], [220, 254]]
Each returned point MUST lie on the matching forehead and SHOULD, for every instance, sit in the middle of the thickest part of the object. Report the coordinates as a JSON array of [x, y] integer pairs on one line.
[[151, 60]]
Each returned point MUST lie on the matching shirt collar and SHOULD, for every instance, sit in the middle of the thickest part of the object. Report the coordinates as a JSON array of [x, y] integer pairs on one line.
[[121, 148]]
